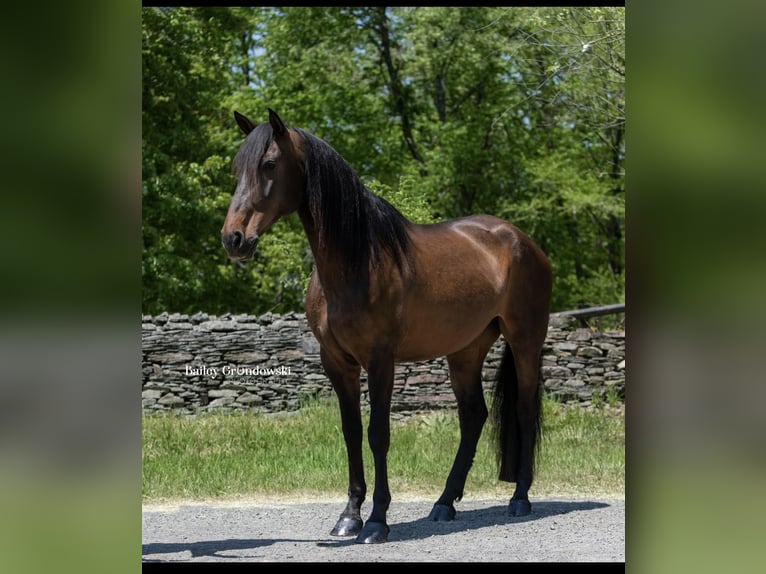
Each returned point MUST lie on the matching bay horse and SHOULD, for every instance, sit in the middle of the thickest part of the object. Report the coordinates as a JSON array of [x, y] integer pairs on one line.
[[385, 290]]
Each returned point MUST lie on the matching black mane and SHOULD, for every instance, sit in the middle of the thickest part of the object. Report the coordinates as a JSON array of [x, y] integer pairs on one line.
[[348, 217]]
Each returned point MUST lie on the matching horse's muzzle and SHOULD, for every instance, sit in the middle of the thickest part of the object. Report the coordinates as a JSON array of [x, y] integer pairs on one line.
[[239, 247]]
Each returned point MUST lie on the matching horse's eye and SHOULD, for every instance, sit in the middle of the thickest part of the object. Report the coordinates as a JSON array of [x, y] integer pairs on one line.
[[268, 164]]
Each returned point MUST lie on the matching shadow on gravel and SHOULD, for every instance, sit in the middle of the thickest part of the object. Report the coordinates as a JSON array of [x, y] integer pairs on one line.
[[482, 518], [419, 528], [473, 519], [206, 548]]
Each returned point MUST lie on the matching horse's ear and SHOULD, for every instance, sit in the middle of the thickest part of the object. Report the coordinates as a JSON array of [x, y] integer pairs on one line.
[[276, 124], [244, 124]]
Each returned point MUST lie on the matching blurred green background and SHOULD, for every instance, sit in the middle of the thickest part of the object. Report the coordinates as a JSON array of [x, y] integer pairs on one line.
[[696, 434]]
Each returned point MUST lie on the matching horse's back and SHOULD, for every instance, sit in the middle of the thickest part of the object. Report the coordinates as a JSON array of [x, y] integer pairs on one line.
[[483, 246]]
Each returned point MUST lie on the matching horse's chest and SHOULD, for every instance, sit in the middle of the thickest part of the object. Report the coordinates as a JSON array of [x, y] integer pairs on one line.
[[362, 328]]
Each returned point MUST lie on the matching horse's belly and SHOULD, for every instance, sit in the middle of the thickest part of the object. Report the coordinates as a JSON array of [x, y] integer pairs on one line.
[[436, 336]]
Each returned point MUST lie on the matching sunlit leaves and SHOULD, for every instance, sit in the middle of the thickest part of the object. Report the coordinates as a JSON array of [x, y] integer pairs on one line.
[[517, 112]]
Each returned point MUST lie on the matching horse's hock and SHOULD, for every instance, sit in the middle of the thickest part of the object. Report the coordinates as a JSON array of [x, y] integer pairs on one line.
[[269, 363]]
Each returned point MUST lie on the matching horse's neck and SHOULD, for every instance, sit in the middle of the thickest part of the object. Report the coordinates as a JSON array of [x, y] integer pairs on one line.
[[329, 267]]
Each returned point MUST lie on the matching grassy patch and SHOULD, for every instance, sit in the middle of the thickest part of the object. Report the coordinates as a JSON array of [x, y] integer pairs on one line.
[[231, 455]]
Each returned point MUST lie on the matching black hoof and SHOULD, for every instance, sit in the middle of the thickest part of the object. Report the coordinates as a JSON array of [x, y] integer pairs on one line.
[[519, 507], [442, 513], [373, 533], [347, 526]]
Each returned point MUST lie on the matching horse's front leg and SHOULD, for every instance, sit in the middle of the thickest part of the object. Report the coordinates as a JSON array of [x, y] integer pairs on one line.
[[345, 380], [380, 382]]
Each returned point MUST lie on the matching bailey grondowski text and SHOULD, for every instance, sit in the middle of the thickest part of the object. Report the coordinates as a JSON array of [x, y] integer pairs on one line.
[[236, 371]]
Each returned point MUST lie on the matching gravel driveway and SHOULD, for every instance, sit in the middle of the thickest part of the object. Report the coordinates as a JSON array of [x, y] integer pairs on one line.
[[559, 529]]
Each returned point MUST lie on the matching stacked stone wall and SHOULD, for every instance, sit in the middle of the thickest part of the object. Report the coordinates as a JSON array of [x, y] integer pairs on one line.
[[270, 363]]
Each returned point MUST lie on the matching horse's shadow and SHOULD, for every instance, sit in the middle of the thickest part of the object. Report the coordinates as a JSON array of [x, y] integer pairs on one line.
[[466, 520], [419, 528], [206, 548]]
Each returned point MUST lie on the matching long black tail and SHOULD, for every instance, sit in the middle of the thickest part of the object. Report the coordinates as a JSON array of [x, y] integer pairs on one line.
[[507, 426]]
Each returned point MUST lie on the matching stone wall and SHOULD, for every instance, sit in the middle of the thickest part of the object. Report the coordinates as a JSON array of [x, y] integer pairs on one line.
[[270, 363]]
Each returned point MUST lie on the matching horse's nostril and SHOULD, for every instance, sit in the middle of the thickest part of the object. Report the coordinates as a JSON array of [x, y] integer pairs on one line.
[[233, 241]]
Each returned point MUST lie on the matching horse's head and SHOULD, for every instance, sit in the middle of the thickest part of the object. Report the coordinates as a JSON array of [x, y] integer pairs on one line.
[[271, 182]]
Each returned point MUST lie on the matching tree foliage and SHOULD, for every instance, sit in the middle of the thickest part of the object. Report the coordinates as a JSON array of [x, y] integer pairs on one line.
[[518, 112]]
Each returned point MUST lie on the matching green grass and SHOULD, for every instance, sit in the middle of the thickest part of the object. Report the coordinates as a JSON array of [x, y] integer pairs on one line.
[[247, 455]]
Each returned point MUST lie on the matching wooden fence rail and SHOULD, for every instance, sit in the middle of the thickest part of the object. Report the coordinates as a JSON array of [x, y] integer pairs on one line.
[[584, 314]]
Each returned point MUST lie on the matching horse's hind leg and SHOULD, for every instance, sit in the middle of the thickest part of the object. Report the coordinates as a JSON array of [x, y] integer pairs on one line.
[[465, 376], [517, 406], [527, 367], [524, 421]]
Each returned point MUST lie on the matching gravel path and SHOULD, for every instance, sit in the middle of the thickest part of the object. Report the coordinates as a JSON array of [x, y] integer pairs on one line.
[[558, 530]]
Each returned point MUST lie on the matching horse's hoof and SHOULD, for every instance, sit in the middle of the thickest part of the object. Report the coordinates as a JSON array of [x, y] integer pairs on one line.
[[347, 526], [442, 513], [373, 533], [519, 507]]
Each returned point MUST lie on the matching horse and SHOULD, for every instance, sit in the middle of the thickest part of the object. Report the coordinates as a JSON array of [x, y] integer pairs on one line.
[[385, 290]]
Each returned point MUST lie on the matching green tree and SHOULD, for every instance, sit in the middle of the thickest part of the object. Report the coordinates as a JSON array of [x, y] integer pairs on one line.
[[517, 112], [573, 74], [194, 61]]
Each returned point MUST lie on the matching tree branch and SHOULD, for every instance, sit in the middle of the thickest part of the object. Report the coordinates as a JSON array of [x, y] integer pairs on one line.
[[395, 85]]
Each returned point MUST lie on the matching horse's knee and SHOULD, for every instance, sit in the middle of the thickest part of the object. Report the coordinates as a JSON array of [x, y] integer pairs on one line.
[[379, 440]]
